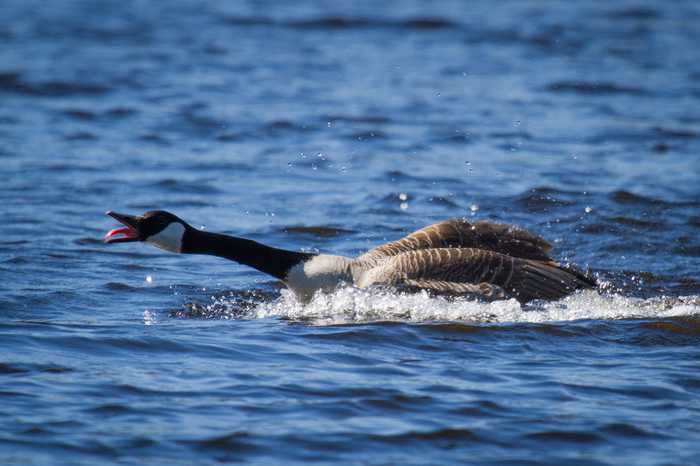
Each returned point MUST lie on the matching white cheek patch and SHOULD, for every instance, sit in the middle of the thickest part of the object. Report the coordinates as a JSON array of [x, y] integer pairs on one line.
[[169, 239]]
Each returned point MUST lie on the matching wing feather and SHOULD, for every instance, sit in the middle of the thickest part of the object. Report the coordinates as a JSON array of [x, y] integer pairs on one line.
[[485, 291], [461, 233], [464, 270]]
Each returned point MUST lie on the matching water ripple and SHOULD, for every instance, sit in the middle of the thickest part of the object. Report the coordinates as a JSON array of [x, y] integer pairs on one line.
[[14, 83], [337, 126], [595, 88]]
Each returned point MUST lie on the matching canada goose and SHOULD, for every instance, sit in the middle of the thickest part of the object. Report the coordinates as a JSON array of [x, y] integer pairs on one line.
[[459, 257]]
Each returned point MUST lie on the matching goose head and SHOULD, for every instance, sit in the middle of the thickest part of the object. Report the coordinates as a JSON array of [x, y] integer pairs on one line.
[[157, 227]]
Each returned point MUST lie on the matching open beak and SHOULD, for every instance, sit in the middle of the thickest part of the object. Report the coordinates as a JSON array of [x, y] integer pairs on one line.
[[126, 234]]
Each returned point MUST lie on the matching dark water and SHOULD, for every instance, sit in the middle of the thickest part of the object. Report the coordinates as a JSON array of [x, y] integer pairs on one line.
[[338, 126]]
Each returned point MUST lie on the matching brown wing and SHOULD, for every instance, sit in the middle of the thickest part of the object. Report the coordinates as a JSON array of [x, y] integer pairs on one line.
[[457, 270], [485, 291], [461, 233]]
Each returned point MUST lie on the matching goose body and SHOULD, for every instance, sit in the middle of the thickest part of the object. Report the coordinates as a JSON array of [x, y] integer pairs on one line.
[[482, 259]]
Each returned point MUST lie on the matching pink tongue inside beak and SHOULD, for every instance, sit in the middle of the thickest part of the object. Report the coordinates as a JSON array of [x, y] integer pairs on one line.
[[128, 232]]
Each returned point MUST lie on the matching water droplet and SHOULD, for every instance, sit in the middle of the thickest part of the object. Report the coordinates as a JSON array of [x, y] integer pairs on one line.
[[403, 196], [149, 318], [588, 209], [149, 279]]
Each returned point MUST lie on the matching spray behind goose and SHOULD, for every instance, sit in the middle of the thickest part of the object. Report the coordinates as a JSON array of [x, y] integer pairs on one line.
[[483, 259]]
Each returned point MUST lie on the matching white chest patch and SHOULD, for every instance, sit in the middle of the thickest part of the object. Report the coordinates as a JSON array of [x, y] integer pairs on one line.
[[322, 272], [169, 238]]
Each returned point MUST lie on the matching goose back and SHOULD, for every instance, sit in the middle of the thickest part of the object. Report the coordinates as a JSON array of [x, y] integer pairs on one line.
[[461, 233]]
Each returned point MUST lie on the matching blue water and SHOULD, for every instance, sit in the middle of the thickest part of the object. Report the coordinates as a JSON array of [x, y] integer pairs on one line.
[[336, 126]]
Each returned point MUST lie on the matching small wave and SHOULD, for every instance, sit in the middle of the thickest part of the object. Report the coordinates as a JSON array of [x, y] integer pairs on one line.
[[674, 133], [566, 436], [543, 199], [81, 136], [192, 186], [368, 119], [443, 201], [688, 250], [116, 286], [366, 135], [317, 231], [236, 442], [624, 430], [13, 82], [82, 114], [121, 112], [453, 137], [635, 13], [271, 129], [154, 138], [248, 21], [627, 197], [283, 126], [345, 22], [398, 175], [637, 222], [15, 369], [352, 305], [79, 114], [110, 409], [336, 22], [8, 120], [595, 88], [511, 135], [446, 435], [198, 120]]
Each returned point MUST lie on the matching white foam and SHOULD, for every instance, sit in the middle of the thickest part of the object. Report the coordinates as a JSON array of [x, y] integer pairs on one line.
[[353, 305]]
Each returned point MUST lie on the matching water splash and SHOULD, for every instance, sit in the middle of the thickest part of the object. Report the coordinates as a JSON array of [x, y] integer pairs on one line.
[[353, 305], [149, 317]]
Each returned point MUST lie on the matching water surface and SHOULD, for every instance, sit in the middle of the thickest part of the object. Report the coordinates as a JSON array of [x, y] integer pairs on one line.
[[336, 127]]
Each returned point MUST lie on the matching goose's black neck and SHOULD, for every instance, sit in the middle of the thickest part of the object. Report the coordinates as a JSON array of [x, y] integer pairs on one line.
[[272, 261]]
